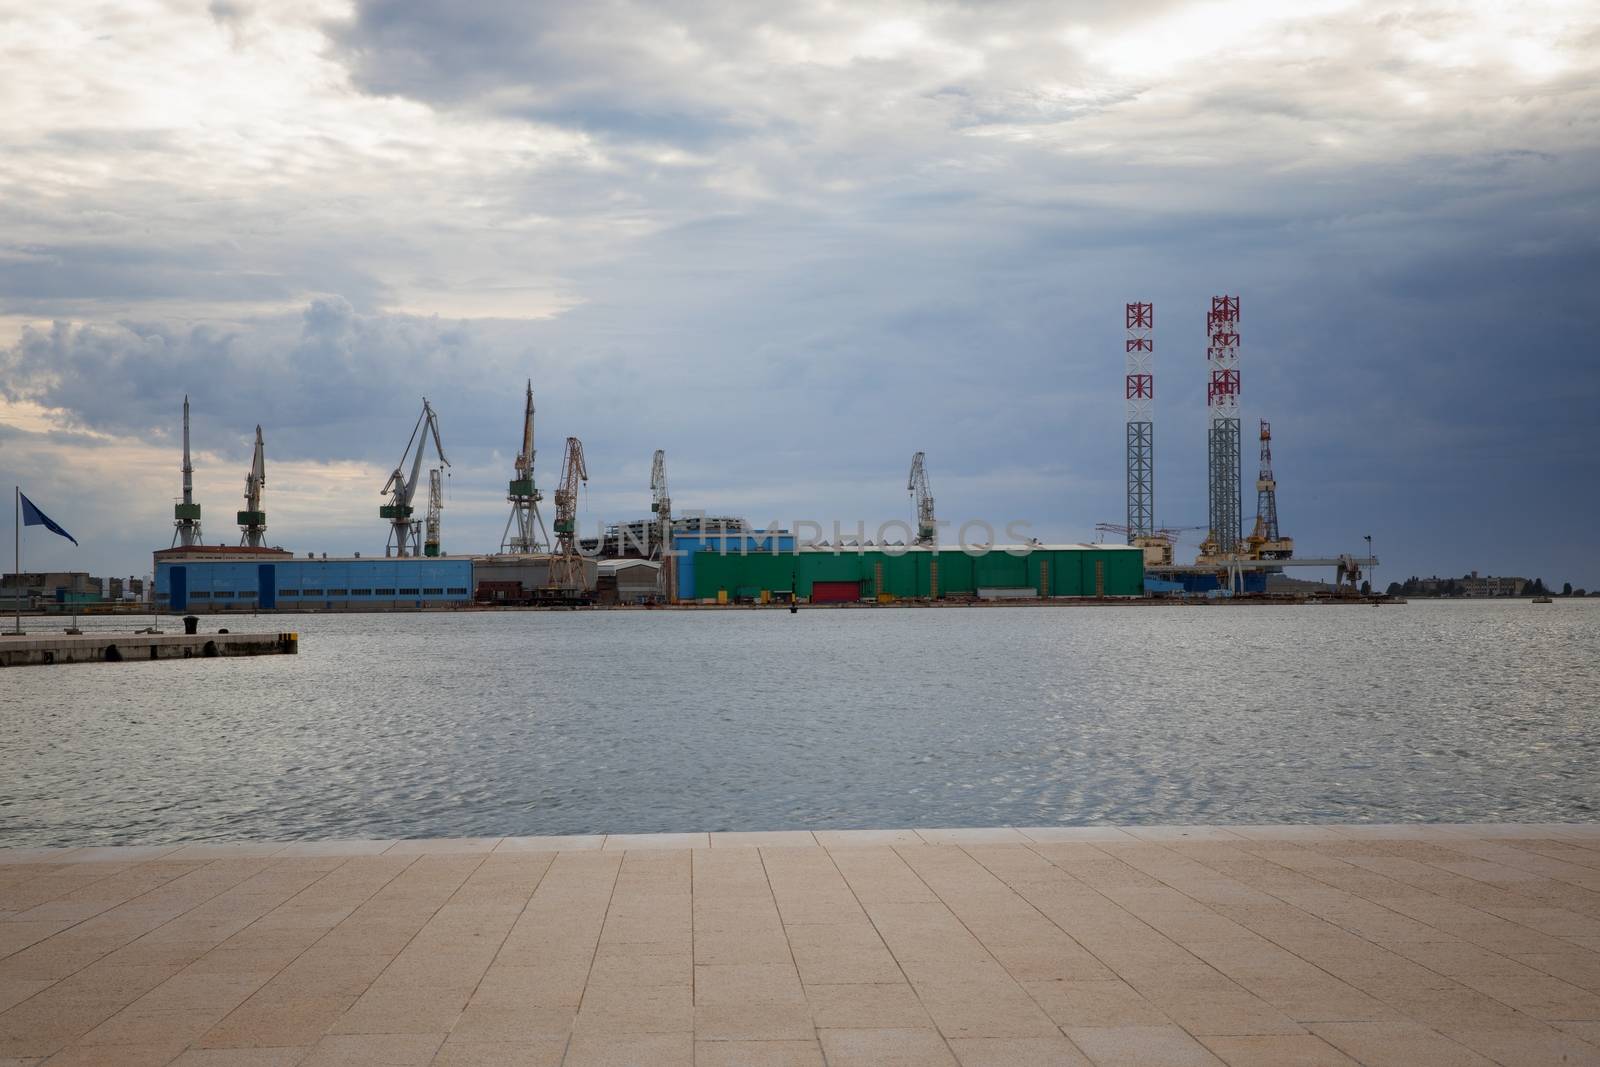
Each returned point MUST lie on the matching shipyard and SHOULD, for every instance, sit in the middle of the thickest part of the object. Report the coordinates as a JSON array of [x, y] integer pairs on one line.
[[695, 559]]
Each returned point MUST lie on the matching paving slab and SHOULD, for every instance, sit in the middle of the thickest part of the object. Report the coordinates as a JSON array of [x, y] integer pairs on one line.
[[1405, 944]]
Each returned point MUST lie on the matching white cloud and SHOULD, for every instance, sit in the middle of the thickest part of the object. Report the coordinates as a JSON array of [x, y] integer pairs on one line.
[[881, 227]]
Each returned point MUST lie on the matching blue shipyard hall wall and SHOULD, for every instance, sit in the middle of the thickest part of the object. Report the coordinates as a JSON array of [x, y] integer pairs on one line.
[[219, 585]]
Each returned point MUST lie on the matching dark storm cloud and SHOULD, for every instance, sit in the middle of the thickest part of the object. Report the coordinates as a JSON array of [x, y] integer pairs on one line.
[[31, 275], [698, 74], [47, 278], [592, 67], [324, 380]]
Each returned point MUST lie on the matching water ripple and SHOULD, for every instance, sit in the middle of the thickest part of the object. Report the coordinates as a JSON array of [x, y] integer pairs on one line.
[[533, 723]]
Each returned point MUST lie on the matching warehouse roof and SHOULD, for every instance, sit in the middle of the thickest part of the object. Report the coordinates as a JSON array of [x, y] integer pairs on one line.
[[612, 566], [221, 552]]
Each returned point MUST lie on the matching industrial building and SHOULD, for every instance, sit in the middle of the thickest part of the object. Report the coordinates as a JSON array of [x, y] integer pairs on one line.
[[889, 573], [215, 578], [516, 578], [629, 581], [731, 540], [731, 568], [29, 591]]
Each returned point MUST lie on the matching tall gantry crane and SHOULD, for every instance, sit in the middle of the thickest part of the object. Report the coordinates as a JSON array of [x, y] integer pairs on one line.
[[661, 507], [186, 514], [252, 520], [404, 536], [917, 486], [430, 540], [525, 532], [566, 567]]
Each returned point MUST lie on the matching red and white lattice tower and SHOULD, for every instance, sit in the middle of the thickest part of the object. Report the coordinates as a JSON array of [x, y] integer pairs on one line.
[[1222, 400], [1141, 427]]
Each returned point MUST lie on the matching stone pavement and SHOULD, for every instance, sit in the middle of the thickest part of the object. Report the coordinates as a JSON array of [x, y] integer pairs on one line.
[[1135, 947]]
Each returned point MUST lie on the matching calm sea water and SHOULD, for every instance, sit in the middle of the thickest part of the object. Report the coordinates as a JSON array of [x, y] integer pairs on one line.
[[562, 723]]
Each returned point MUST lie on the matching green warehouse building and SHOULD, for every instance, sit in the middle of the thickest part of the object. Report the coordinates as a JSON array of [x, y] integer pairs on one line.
[[847, 574]]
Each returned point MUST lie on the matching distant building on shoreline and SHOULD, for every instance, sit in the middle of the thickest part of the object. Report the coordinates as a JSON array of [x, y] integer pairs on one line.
[[1470, 585], [49, 587]]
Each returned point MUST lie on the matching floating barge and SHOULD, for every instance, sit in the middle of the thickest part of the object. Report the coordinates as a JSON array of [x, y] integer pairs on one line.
[[30, 650]]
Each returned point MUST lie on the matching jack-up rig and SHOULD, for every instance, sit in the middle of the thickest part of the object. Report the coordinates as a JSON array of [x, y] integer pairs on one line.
[[404, 539], [1141, 391], [1222, 438], [566, 566], [252, 520], [186, 514], [525, 532], [1226, 555]]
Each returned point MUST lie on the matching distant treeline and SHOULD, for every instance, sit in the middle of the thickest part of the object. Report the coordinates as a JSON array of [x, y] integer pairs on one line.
[[1468, 586]]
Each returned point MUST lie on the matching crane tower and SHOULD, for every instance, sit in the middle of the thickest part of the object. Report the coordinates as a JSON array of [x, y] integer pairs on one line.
[[252, 520], [922, 494], [566, 568], [1141, 389], [430, 541], [404, 536], [660, 502], [1222, 442], [186, 514], [661, 507], [1265, 542], [525, 532]]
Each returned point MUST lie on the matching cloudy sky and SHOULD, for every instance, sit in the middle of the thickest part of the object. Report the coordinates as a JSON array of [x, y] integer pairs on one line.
[[792, 244]]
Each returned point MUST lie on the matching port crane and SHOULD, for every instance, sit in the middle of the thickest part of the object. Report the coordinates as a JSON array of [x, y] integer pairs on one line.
[[917, 486], [404, 536], [660, 502], [186, 513], [430, 539], [252, 520], [661, 507], [525, 531], [566, 567]]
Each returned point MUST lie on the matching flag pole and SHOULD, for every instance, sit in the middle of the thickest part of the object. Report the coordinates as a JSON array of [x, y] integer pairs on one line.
[[16, 544]]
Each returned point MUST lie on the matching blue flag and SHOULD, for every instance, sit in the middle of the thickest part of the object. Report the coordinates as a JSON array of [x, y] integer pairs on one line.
[[32, 516]]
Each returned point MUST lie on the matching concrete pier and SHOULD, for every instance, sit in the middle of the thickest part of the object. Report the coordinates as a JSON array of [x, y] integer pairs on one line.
[[44, 649], [1387, 946]]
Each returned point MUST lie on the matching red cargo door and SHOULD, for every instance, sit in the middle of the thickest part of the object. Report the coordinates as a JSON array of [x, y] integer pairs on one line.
[[835, 592]]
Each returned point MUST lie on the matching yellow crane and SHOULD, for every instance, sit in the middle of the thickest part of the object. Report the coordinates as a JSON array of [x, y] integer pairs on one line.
[[566, 566], [252, 520]]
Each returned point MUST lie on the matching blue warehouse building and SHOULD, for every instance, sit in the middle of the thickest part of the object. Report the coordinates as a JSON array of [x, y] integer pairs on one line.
[[221, 578]]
